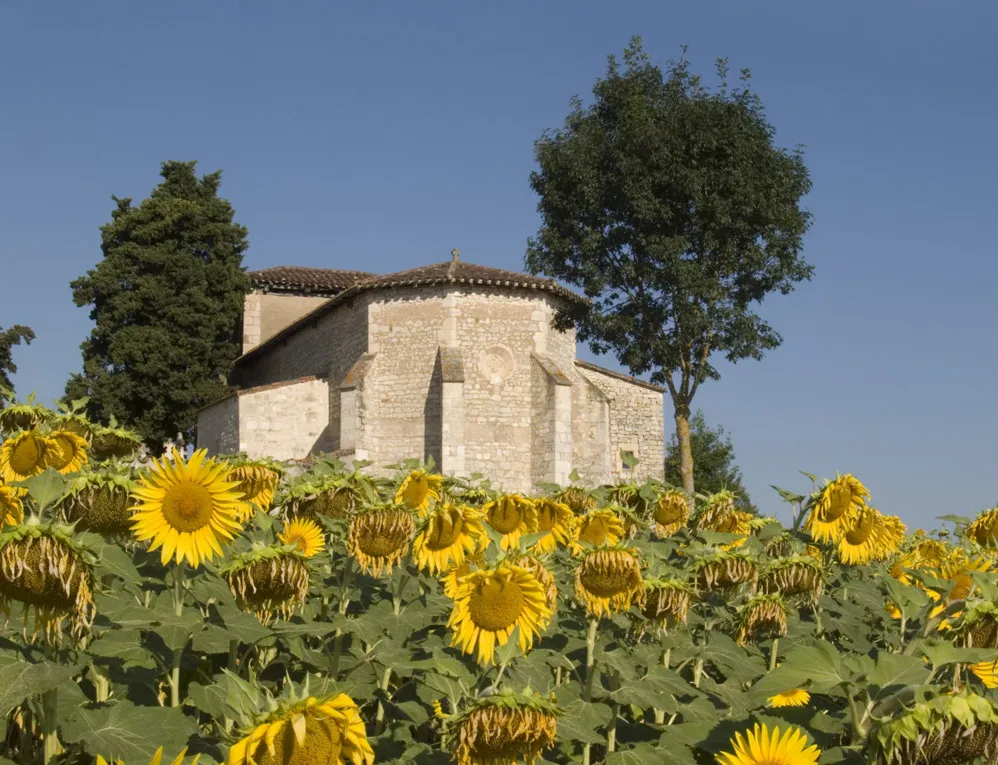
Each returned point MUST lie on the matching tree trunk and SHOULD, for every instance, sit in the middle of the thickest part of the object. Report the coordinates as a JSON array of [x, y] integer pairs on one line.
[[685, 448]]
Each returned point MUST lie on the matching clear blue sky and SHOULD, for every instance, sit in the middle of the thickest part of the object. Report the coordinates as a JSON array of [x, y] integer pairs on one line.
[[380, 135]]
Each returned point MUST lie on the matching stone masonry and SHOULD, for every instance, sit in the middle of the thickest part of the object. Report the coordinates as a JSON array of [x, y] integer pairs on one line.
[[454, 362]]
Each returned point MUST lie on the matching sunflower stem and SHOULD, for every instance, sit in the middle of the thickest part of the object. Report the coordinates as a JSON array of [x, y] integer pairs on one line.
[[611, 731], [344, 604], [590, 672], [774, 652], [178, 610], [697, 672], [26, 743], [380, 717], [666, 659], [50, 725], [233, 655]]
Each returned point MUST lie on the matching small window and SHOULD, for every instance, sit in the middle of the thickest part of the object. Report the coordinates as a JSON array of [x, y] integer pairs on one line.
[[626, 460]]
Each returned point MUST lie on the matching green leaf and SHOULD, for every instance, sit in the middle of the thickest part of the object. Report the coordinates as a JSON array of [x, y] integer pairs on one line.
[[788, 496], [124, 731], [229, 696], [644, 752], [46, 488], [21, 680], [177, 630], [940, 653], [581, 722], [114, 560], [893, 672], [122, 645]]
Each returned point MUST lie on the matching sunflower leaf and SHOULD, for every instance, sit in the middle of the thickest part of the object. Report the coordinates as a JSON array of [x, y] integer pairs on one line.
[[122, 731], [21, 680], [46, 488]]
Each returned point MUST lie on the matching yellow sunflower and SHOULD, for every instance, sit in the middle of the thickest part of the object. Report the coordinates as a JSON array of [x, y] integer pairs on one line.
[[760, 747], [22, 456], [157, 759], [958, 571], [11, 507], [986, 672], [797, 697], [418, 489], [670, 512], [451, 533], [558, 520], [188, 510], [608, 580], [378, 538], [491, 603], [513, 516], [599, 528], [984, 529], [305, 534], [835, 508], [329, 731], [65, 452], [868, 539]]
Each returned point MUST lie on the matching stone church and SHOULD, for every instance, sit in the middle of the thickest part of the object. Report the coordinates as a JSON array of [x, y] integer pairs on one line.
[[454, 361]]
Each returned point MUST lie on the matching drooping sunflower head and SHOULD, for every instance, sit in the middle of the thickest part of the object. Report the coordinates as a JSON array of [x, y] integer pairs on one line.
[[23, 415], [22, 456], [11, 507], [796, 697], [670, 512], [953, 728], [834, 508], [665, 602], [513, 516], [268, 581], [543, 574], [504, 729], [157, 759], [722, 570], [65, 451], [379, 537], [256, 483], [608, 579], [984, 530], [305, 535], [762, 615], [43, 568], [187, 509], [111, 441], [418, 489], [491, 603], [315, 496], [778, 546], [977, 626], [578, 499], [762, 746], [307, 732], [449, 535], [597, 528], [99, 500], [557, 519], [716, 508], [798, 577]]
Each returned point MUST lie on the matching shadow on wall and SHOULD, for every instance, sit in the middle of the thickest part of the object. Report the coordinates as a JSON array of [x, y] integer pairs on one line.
[[433, 416], [324, 443]]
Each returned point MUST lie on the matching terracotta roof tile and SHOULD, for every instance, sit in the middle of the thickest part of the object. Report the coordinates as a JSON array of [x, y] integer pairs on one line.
[[292, 278]]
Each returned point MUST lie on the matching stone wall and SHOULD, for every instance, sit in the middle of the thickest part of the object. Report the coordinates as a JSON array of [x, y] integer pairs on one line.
[[327, 348], [636, 424], [266, 313], [218, 427], [590, 432]]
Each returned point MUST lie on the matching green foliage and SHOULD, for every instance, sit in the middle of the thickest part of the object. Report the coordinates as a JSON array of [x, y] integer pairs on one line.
[[167, 300], [670, 207], [8, 339], [714, 467]]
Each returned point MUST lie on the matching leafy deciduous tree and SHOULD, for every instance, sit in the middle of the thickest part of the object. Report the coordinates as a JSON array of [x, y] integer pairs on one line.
[[167, 301], [669, 205]]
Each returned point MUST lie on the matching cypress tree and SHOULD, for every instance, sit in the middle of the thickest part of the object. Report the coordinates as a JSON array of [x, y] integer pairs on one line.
[[166, 300]]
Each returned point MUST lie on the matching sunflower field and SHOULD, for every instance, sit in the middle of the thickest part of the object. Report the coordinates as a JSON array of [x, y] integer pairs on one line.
[[233, 610]]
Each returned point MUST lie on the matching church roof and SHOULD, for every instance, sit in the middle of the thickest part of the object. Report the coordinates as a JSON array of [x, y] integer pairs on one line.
[[453, 271], [300, 278]]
